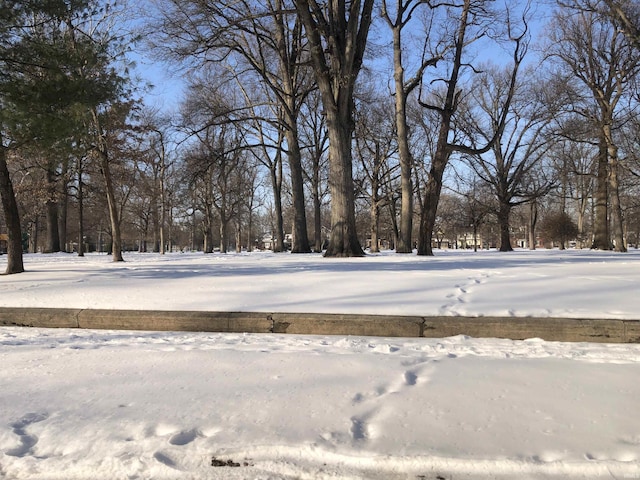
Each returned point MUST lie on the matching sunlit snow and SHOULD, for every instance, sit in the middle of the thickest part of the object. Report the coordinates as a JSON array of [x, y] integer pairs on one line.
[[79, 404]]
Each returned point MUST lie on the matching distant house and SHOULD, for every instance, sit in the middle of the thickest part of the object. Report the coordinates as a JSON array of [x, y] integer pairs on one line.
[[268, 242]]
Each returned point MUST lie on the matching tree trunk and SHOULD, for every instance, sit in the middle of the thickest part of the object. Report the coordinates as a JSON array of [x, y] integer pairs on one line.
[[53, 238], [155, 222], [208, 229], [343, 240], [337, 43], [475, 237], [33, 235], [238, 235], [533, 220], [276, 184], [80, 211], [114, 217], [616, 208], [300, 242], [11, 216], [317, 219], [601, 221], [224, 241], [116, 238], [443, 149], [434, 188], [163, 202], [404, 240], [63, 208], [51, 214], [503, 222], [375, 226]]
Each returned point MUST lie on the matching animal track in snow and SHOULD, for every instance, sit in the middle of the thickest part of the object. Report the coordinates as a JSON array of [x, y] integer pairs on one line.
[[185, 437], [364, 427], [178, 438], [166, 459], [410, 378], [461, 290], [361, 430], [27, 441]]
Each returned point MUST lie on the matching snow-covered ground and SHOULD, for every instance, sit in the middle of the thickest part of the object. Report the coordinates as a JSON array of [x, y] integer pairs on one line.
[[80, 404]]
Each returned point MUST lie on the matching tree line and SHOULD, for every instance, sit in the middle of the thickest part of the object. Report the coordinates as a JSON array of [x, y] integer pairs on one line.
[[316, 126]]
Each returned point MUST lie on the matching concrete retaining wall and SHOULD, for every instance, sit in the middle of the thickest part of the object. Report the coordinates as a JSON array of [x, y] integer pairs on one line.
[[551, 329]]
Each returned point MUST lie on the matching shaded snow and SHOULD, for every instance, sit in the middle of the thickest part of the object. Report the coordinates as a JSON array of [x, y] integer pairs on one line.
[[572, 283]]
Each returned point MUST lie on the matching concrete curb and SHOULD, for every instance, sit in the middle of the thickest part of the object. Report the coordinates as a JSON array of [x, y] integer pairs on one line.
[[550, 329]]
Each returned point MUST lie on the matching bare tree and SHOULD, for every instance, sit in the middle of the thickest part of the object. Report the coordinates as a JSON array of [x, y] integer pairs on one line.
[[217, 160], [512, 167], [624, 13], [397, 18], [156, 130], [107, 126], [375, 145], [248, 36], [601, 62], [313, 131], [337, 36], [471, 25]]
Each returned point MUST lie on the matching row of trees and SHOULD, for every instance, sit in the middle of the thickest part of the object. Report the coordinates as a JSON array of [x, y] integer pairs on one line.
[[368, 109]]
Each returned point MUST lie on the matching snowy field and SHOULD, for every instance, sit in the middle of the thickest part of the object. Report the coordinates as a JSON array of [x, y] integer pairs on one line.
[[144, 405]]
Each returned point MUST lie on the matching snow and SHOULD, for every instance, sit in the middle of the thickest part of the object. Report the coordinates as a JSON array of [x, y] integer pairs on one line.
[[79, 404]]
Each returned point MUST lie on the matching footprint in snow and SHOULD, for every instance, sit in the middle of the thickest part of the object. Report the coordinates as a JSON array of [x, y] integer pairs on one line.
[[27, 441], [166, 459], [185, 437]]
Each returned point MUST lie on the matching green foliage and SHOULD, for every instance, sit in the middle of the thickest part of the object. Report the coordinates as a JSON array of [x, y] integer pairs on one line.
[[55, 70]]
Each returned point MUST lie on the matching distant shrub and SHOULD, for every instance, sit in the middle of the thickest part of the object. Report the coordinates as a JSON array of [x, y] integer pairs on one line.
[[559, 227]]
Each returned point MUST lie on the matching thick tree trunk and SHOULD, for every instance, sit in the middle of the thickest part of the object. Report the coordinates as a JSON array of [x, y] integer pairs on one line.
[[337, 43], [533, 220], [375, 226], [343, 240], [601, 221], [52, 244], [434, 188], [11, 217], [504, 212], [428, 216], [208, 229]]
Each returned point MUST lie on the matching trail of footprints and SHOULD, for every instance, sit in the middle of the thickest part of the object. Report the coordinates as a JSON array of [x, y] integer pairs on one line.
[[27, 440], [458, 297], [362, 428]]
